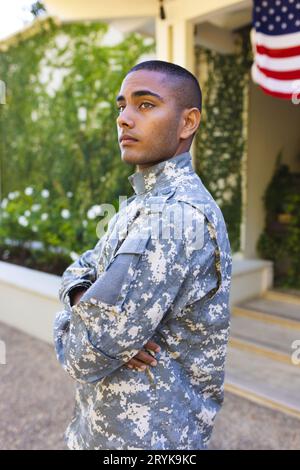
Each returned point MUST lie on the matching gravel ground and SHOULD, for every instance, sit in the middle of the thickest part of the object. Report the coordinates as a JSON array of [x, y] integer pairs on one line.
[[37, 400]]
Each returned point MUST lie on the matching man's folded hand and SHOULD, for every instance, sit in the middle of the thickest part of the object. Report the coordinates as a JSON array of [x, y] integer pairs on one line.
[[145, 357]]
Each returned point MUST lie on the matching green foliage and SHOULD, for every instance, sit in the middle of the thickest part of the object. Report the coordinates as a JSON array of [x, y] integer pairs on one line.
[[220, 141], [280, 241], [278, 191], [36, 214]]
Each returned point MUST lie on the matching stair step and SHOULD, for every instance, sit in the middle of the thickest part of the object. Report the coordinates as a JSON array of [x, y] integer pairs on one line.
[[260, 349], [262, 379], [282, 296], [277, 308], [264, 317], [267, 337]]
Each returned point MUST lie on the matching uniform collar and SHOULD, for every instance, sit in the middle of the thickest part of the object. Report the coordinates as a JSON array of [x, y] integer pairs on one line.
[[162, 174]]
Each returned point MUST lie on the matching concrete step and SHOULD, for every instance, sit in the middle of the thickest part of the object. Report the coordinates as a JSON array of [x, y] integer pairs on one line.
[[263, 337], [281, 307], [263, 380], [259, 361]]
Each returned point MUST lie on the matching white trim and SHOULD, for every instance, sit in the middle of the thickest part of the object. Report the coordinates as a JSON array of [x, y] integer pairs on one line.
[[283, 64], [276, 42]]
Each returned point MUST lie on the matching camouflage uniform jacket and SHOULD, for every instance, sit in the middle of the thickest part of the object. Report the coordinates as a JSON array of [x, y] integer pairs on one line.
[[146, 285]]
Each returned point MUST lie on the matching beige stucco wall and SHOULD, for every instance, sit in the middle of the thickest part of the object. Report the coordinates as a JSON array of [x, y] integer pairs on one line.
[[274, 124]]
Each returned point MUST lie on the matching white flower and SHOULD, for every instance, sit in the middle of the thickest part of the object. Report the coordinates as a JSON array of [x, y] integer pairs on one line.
[[4, 203], [45, 193], [82, 114], [221, 183], [27, 213], [227, 195], [94, 211], [12, 195], [23, 221], [231, 180], [74, 256], [34, 228], [35, 207], [84, 223], [34, 116], [28, 191], [65, 213], [44, 216], [69, 194], [102, 179], [104, 105]]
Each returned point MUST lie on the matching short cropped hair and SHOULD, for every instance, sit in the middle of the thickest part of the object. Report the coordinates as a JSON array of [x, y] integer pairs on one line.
[[186, 86]]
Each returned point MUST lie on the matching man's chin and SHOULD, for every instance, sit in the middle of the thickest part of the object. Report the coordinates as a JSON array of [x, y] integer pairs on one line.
[[131, 158]]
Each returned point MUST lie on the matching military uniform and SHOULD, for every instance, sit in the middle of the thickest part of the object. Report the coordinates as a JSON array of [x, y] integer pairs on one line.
[[149, 284]]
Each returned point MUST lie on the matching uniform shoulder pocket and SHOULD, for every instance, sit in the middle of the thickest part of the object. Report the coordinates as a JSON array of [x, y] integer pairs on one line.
[[133, 245]]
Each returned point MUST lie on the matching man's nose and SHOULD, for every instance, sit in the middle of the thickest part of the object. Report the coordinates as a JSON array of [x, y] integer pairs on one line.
[[125, 119]]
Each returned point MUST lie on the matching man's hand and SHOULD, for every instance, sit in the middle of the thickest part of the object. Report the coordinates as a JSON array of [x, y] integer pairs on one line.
[[142, 359], [76, 295]]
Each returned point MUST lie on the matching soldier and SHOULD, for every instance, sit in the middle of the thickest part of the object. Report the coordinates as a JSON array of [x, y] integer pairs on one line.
[[157, 282]]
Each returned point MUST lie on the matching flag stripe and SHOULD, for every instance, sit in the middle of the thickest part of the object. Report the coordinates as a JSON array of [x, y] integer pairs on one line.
[[277, 42], [292, 75], [278, 53], [280, 86], [284, 64], [285, 96]]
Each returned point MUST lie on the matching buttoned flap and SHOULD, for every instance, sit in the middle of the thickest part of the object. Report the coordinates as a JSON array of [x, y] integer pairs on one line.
[[113, 284], [133, 244]]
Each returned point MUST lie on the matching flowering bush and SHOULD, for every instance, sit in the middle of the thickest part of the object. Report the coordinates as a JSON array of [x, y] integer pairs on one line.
[[47, 225]]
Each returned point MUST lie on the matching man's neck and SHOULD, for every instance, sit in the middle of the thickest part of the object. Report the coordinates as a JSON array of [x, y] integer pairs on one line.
[[145, 166]]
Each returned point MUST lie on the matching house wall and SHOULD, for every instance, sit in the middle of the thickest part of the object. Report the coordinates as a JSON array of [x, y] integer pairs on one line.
[[274, 124]]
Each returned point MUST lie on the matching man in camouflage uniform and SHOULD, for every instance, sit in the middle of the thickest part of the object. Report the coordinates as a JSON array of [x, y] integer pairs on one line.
[[150, 280]]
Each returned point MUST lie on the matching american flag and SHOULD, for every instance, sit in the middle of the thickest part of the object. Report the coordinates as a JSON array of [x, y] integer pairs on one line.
[[275, 38]]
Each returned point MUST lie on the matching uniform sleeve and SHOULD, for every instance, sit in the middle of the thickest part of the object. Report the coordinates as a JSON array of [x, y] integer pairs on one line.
[[82, 272], [120, 312]]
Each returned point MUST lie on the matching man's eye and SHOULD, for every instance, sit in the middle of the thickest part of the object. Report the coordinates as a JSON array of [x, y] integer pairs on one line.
[[146, 105], [120, 108]]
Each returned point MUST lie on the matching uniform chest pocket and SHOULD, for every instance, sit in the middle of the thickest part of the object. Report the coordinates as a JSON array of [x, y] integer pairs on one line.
[[111, 287]]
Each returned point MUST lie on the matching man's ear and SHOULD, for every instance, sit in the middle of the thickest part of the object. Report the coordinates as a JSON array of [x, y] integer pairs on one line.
[[191, 120]]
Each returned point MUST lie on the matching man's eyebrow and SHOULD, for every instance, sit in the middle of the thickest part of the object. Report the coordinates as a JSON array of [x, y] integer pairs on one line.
[[141, 93]]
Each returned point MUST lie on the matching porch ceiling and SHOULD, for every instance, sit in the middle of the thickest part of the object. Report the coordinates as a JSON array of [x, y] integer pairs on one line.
[[192, 10]]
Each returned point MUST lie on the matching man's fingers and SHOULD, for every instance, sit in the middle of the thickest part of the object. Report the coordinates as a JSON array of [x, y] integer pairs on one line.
[[135, 364], [141, 360], [153, 346], [146, 358]]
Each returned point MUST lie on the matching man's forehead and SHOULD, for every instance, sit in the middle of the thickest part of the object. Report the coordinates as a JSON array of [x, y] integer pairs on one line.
[[146, 79]]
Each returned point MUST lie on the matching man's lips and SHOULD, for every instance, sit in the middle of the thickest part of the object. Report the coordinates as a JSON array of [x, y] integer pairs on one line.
[[127, 139]]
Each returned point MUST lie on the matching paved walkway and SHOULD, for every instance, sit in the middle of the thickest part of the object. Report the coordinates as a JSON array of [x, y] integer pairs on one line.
[[37, 401]]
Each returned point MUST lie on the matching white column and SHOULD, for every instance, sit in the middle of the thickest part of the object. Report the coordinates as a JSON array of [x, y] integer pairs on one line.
[[164, 40]]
